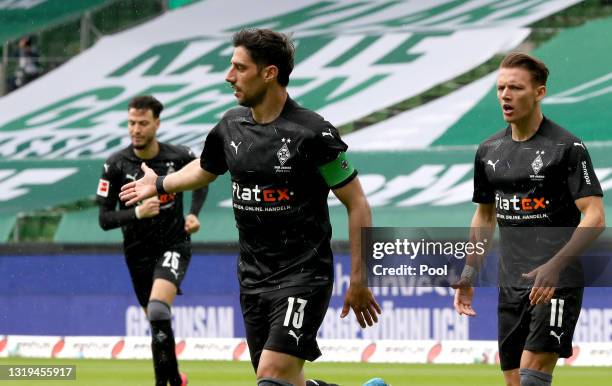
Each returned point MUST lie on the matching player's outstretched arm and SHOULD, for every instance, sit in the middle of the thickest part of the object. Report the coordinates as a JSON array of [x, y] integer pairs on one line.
[[482, 229], [192, 176], [358, 296], [140, 189]]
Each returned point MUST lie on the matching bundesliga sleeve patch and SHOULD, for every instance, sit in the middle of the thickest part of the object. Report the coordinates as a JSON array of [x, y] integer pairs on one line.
[[338, 172], [103, 187]]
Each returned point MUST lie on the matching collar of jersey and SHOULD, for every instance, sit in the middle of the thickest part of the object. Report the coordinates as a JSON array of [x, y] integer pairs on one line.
[[130, 153], [544, 124]]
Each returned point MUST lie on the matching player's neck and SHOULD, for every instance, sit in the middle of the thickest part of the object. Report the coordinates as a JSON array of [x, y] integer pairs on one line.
[[525, 129], [271, 107], [148, 152]]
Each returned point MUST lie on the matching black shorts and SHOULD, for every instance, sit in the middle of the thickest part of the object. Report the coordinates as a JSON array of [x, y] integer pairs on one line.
[[544, 328], [168, 263], [285, 320]]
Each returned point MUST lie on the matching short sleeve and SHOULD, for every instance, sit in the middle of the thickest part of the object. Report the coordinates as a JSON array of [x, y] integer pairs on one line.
[[186, 155], [326, 145], [483, 190], [581, 178], [213, 155]]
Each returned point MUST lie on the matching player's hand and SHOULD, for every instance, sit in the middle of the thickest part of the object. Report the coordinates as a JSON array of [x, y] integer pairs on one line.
[[545, 279], [140, 189], [464, 293], [361, 300], [149, 208], [192, 224]]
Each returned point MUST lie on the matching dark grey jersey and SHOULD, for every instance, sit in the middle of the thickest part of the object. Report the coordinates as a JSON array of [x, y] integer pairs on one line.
[[279, 196], [534, 183], [124, 166]]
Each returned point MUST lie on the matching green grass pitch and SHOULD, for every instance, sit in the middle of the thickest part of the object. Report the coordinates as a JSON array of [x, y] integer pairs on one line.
[[140, 373]]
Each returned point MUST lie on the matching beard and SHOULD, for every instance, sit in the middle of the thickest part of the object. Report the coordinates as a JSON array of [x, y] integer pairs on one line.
[[146, 142], [254, 100]]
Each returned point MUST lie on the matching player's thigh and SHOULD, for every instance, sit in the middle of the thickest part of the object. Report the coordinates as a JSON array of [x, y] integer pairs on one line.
[[296, 314], [513, 327], [283, 366], [163, 290], [172, 263], [552, 325], [141, 268], [256, 324]]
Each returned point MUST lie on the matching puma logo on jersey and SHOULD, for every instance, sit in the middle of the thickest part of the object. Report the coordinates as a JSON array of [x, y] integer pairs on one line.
[[328, 132], [557, 336], [579, 144], [131, 177], [492, 164], [233, 144], [175, 273], [297, 337], [105, 168]]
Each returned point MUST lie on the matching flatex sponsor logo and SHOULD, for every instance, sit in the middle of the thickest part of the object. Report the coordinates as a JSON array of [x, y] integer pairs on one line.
[[250, 194], [518, 203]]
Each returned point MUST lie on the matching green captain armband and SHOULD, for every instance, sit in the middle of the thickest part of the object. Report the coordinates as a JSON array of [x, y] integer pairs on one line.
[[338, 172]]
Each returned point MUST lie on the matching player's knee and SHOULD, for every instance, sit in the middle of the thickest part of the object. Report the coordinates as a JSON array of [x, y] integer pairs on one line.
[[158, 310], [531, 377], [270, 370], [272, 382], [513, 382], [512, 378]]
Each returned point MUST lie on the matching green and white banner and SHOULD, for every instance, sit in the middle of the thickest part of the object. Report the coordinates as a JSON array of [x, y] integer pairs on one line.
[[424, 188], [579, 98], [579, 89], [353, 58], [23, 17], [418, 128]]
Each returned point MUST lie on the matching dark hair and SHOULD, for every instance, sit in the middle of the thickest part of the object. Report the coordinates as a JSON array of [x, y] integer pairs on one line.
[[146, 102], [268, 47], [538, 70], [25, 41]]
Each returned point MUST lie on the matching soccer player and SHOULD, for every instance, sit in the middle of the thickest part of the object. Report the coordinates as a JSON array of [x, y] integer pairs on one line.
[[156, 236], [532, 174], [283, 160]]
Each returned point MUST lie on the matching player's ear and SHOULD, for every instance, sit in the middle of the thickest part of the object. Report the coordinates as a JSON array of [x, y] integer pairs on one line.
[[270, 73], [540, 92]]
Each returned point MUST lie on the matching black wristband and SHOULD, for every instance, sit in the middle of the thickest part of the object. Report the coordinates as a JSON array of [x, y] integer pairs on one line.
[[159, 185]]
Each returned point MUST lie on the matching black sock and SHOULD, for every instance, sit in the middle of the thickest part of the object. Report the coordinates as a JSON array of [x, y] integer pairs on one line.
[[531, 377], [164, 354]]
